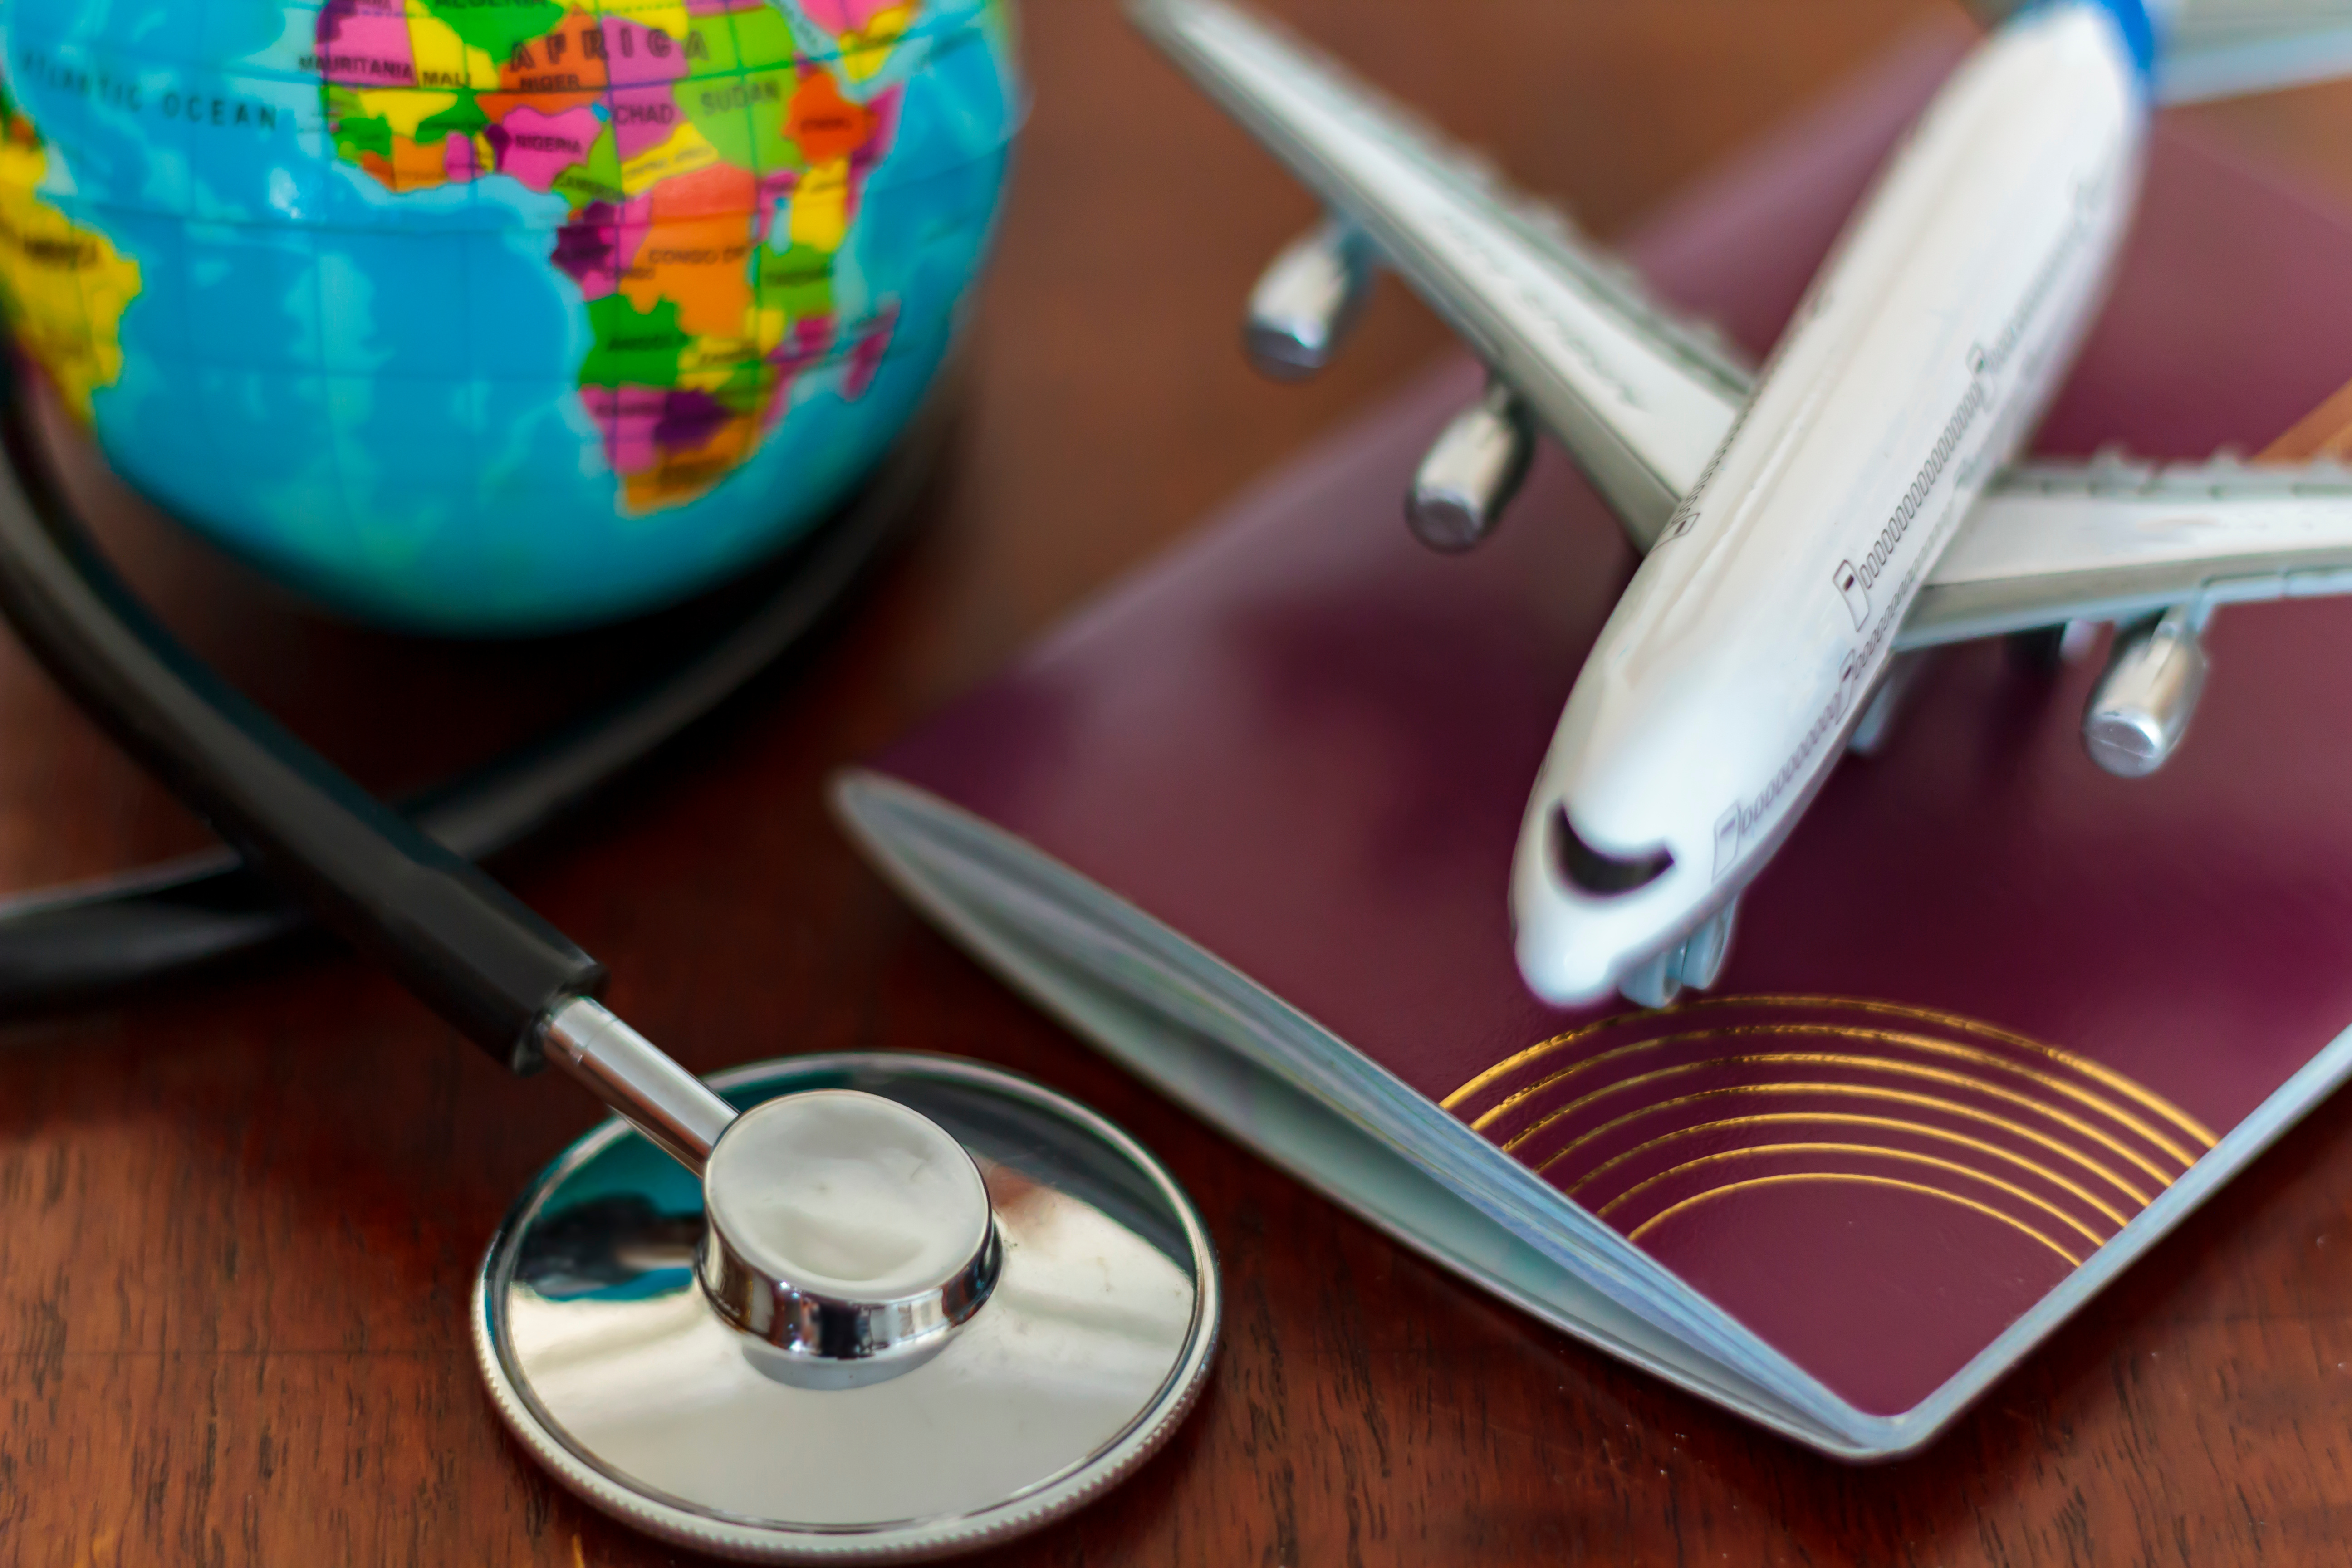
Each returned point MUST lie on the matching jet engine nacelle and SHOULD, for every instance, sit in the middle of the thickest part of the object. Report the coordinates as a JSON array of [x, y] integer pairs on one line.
[[2141, 707], [1306, 301], [1471, 473]]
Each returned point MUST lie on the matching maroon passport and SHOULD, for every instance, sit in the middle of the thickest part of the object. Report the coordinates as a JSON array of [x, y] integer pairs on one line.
[[1995, 1021]]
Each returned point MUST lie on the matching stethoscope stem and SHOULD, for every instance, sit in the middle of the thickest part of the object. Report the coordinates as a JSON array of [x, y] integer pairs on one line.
[[507, 978], [637, 1081], [465, 945], [524, 992], [845, 1236]]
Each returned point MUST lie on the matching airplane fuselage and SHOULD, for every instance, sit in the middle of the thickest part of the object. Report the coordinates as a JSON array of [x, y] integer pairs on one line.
[[1722, 689]]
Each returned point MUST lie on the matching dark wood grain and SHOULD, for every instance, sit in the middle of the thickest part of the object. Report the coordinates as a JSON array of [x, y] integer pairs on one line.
[[238, 1220]]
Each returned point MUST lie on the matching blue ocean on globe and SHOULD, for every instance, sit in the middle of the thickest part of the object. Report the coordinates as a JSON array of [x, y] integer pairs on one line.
[[497, 316]]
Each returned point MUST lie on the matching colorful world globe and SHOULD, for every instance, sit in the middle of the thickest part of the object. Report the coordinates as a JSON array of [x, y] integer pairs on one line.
[[498, 315]]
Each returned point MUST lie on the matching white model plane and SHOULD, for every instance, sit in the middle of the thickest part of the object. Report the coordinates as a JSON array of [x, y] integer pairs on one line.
[[1807, 525]]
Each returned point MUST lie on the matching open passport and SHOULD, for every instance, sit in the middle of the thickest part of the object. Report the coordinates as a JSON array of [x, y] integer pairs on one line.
[[1994, 1021]]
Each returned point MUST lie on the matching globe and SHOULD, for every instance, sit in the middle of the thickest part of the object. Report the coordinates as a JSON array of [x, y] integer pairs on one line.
[[497, 316]]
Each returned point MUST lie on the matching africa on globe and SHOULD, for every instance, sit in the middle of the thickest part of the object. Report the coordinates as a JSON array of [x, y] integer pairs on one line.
[[498, 315]]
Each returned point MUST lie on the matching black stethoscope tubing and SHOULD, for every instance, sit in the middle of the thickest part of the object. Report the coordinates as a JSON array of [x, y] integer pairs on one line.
[[522, 991], [72, 944]]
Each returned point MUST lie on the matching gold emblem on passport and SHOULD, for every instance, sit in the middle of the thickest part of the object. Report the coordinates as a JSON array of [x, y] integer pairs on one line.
[[1647, 1117]]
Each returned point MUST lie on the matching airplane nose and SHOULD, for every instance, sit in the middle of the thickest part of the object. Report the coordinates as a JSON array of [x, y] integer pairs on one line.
[[1584, 916], [1551, 968]]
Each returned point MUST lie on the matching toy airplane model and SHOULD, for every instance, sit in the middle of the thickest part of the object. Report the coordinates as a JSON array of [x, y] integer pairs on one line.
[[1807, 526]]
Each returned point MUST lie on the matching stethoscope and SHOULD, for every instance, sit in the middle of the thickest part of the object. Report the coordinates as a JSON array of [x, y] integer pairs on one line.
[[869, 1306]]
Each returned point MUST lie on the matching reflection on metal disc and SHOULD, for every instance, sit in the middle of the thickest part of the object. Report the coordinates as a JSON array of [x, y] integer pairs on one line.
[[608, 1362]]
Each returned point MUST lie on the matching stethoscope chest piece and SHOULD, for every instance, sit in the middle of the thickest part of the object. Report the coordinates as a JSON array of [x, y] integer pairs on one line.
[[1003, 1306], [827, 1309]]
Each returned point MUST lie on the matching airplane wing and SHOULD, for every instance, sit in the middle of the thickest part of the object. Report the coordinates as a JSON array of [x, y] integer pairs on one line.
[[2218, 48], [1643, 400], [2114, 540], [1639, 400]]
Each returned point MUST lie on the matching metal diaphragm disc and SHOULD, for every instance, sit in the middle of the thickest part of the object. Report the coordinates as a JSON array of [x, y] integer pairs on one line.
[[609, 1365]]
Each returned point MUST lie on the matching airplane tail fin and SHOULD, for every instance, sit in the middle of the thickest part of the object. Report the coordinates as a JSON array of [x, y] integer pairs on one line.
[[2224, 48]]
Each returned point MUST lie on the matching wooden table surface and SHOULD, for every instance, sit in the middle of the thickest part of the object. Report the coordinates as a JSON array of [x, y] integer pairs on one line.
[[239, 1218]]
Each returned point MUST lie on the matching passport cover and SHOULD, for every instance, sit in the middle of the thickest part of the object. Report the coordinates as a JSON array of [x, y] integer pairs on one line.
[[1993, 1019]]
